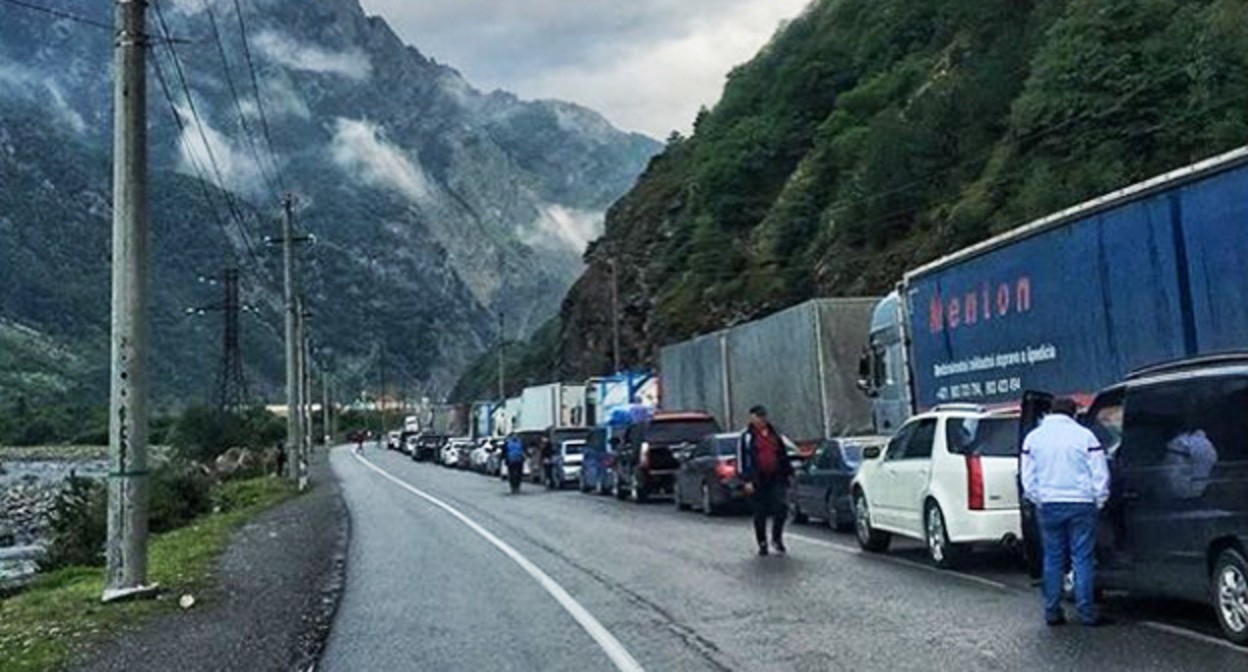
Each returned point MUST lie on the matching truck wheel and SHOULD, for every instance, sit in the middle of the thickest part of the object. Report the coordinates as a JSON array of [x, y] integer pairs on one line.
[[869, 538], [943, 553], [1230, 594]]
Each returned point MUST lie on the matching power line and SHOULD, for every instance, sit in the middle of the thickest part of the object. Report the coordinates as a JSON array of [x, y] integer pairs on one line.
[[255, 85], [60, 13], [231, 205], [238, 106]]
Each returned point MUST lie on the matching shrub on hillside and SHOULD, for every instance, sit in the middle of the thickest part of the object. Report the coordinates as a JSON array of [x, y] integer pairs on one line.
[[78, 524]]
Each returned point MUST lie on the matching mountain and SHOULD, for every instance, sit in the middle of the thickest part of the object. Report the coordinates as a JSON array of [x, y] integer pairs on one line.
[[871, 136], [433, 205]]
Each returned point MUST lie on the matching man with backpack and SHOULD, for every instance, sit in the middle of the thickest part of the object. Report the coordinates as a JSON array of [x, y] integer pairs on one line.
[[513, 455]]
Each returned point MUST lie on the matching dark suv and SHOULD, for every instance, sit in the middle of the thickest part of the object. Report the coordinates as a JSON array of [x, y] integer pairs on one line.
[[645, 463], [1176, 523]]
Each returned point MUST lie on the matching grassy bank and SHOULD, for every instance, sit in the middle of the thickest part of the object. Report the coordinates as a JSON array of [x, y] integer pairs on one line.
[[43, 626]]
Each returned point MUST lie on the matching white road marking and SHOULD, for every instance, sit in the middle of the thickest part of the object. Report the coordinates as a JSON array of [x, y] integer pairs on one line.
[[903, 562], [623, 660], [1193, 635]]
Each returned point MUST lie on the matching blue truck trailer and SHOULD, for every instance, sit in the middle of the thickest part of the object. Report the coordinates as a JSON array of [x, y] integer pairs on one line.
[[1072, 302]]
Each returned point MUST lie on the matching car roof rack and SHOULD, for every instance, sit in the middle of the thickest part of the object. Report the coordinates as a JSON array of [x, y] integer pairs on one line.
[[1190, 363]]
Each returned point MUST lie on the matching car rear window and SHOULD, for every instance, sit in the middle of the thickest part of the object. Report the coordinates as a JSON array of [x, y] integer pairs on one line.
[[726, 446], [573, 448], [852, 454], [680, 431], [990, 437]]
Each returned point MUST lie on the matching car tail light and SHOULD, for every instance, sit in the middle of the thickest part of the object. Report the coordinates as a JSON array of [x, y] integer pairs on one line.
[[974, 483], [645, 455], [726, 469]]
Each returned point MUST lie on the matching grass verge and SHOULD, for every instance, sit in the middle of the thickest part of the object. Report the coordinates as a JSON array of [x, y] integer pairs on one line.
[[43, 626]]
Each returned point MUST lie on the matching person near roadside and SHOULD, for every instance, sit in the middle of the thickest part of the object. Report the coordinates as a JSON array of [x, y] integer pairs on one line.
[[1066, 475], [281, 459], [547, 455], [513, 455], [767, 475]]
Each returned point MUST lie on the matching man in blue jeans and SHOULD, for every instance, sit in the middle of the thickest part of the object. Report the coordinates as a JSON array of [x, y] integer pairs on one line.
[[1066, 475]]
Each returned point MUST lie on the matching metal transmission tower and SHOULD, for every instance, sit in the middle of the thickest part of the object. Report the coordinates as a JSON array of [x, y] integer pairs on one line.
[[231, 390]]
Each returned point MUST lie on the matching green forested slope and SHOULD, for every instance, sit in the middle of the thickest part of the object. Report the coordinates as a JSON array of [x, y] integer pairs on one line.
[[873, 135]]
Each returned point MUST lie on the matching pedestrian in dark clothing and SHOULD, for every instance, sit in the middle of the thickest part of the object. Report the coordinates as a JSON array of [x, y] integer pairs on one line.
[[281, 459], [513, 454], [547, 455], [767, 473]]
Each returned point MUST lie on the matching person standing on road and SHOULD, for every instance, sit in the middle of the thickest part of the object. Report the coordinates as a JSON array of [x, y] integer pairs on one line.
[[767, 473], [513, 454], [1066, 475]]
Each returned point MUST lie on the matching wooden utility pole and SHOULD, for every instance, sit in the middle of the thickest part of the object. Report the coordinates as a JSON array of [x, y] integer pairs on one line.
[[126, 571]]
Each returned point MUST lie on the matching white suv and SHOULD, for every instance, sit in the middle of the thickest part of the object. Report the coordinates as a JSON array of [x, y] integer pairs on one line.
[[948, 478]]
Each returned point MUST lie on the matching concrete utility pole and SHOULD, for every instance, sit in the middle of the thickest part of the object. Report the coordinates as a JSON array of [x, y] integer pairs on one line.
[[294, 437], [126, 572], [615, 316], [327, 431], [301, 394], [381, 396], [502, 373]]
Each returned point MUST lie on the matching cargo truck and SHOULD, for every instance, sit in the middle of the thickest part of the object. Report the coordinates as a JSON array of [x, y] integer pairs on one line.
[[801, 363], [1072, 302]]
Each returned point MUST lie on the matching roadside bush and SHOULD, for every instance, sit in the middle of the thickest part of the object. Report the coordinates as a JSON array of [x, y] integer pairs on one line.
[[202, 434], [77, 525], [78, 522], [180, 491]]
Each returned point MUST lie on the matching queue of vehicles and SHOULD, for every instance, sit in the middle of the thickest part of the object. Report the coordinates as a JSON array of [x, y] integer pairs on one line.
[[959, 364]]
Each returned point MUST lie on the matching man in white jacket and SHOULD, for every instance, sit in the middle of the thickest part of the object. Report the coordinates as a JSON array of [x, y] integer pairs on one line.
[[1066, 475]]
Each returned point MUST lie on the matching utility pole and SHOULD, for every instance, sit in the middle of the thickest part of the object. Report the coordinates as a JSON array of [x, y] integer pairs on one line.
[[615, 316], [381, 396], [294, 438], [301, 393], [502, 373], [328, 433], [126, 571]]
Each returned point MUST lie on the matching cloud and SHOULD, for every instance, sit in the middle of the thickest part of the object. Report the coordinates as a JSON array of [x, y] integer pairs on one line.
[[41, 88], [561, 228], [280, 100], [286, 51], [358, 147], [646, 64], [238, 170]]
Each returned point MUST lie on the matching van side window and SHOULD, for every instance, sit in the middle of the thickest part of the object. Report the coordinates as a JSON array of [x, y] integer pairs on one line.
[[1105, 420], [1153, 416]]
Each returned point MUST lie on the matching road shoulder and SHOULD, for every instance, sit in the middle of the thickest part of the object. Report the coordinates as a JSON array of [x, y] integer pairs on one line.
[[281, 579]]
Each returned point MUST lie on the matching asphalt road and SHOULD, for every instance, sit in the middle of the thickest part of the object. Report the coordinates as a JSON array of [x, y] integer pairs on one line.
[[447, 571]]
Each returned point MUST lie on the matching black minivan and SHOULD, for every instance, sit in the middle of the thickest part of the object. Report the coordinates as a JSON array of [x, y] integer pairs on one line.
[[1176, 523]]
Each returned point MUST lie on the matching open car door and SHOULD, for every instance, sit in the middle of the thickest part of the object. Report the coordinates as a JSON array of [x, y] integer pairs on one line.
[[1034, 407]]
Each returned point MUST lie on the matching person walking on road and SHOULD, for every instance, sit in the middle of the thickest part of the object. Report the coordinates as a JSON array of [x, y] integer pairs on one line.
[[767, 473], [1066, 475], [513, 454]]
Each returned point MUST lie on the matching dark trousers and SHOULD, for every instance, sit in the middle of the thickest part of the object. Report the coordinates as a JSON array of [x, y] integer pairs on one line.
[[770, 499], [515, 472], [1069, 534]]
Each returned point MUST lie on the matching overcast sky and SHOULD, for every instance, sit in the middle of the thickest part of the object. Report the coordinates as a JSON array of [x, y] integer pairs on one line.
[[645, 64]]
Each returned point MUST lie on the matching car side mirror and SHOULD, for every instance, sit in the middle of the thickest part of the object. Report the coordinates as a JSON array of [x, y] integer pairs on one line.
[[871, 452]]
